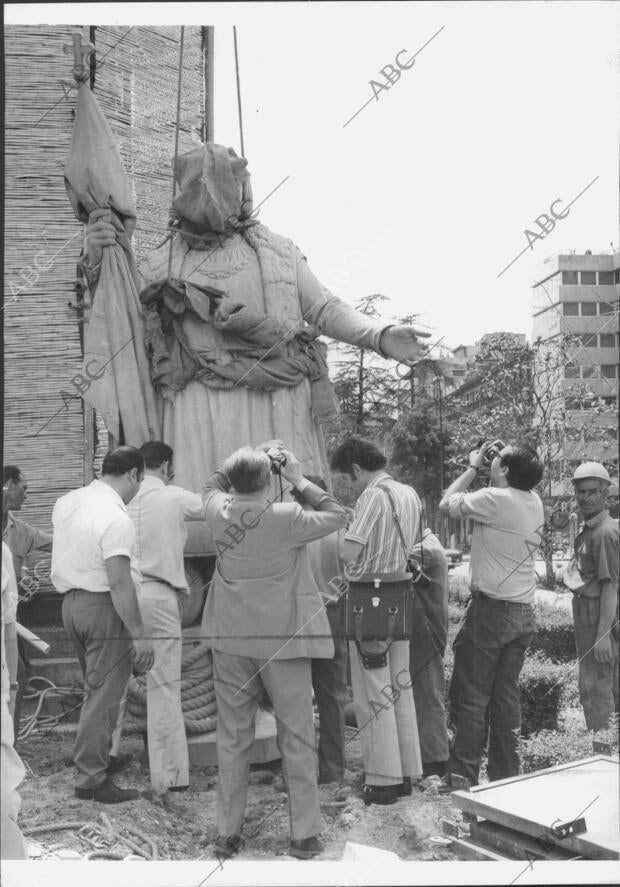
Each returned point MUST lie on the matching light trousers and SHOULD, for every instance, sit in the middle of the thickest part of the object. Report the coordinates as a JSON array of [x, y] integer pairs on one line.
[[238, 691], [386, 718], [12, 844], [160, 609]]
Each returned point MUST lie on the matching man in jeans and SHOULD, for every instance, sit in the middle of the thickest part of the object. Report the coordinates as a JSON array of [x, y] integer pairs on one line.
[[490, 647]]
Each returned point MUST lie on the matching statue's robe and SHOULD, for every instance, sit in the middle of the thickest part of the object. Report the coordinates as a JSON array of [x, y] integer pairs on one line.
[[204, 425]]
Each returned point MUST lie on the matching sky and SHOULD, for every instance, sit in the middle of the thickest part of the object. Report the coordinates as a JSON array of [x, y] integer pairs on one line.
[[425, 195]]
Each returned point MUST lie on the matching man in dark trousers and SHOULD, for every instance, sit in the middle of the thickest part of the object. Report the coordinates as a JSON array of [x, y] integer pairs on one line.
[[426, 652], [94, 568], [595, 603], [490, 646]]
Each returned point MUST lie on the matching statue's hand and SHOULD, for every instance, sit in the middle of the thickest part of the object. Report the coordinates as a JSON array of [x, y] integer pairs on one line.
[[100, 233], [401, 343]]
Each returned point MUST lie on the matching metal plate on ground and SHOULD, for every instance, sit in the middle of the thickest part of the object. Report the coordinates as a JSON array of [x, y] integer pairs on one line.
[[535, 802]]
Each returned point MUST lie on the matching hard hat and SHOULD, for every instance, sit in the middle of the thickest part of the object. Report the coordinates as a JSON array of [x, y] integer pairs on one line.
[[591, 469]]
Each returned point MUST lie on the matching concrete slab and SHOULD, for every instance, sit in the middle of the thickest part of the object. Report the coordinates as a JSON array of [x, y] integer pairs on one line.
[[364, 853]]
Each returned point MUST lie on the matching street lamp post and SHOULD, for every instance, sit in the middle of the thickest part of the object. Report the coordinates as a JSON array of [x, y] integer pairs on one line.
[[438, 379]]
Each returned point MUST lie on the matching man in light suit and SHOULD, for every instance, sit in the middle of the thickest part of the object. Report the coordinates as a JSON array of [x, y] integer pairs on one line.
[[265, 620]]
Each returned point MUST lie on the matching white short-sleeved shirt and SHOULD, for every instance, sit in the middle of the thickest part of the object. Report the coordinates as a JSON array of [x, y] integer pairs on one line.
[[508, 526], [9, 614], [90, 525], [159, 513]]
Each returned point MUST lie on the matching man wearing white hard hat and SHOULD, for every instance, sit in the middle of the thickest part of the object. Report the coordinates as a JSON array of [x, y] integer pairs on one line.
[[593, 580]]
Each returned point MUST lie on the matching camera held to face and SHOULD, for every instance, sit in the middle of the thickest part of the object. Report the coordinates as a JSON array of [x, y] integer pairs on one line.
[[493, 450], [277, 459]]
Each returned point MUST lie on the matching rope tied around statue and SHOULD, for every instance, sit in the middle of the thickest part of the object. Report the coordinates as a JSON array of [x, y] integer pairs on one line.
[[197, 694], [264, 352]]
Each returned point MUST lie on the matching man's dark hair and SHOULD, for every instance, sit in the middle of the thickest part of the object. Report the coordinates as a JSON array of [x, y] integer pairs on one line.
[[314, 479], [155, 453], [121, 460], [11, 472], [357, 450], [525, 469]]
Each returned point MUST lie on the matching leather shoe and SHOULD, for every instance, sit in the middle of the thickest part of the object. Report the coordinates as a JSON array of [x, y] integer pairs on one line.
[[227, 847], [306, 848], [404, 789], [116, 763], [107, 793], [380, 794]]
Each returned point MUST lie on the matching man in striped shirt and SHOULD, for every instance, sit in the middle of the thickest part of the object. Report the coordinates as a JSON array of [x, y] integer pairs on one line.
[[383, 697]]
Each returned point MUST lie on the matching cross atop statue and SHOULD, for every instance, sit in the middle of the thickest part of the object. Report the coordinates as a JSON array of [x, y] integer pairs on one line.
[[81, 52]]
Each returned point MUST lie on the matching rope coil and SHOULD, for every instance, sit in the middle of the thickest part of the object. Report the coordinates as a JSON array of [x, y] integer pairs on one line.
[[197, 695]]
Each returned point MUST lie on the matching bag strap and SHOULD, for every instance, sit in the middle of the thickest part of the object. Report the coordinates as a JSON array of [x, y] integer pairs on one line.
[[398, 526]]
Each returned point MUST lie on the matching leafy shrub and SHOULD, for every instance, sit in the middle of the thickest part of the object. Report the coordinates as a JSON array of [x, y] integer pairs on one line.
[[458, 587], [555, 635], [541, 686], [552, 747]]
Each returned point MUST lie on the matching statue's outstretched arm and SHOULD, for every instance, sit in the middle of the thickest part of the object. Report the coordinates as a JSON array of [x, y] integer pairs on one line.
[[342, 322]]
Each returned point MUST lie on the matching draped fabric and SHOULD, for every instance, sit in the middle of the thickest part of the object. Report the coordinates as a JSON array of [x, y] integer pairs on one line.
[[116, 370]]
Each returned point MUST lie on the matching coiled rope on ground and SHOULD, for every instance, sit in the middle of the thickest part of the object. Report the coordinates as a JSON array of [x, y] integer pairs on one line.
[[197, 695]]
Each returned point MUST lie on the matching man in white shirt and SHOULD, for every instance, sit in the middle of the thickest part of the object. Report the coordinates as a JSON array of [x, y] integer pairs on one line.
[[490, 647], [93, 548], [159, 511], [13, 846]]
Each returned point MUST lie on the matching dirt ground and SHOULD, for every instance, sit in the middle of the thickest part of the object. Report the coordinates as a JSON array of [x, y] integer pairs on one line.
[[185, 828]]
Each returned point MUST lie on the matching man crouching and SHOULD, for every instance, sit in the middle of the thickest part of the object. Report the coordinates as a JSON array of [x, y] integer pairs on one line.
[[265, 621]]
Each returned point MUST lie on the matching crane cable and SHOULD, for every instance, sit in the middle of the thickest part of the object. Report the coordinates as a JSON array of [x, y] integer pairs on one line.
[[176, 135], [238, 91]]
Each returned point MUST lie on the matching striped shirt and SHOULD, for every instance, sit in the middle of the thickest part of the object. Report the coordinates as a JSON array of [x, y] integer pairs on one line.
[[374, 526]]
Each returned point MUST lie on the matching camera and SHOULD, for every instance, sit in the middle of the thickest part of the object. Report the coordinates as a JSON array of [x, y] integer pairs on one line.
[[493, 450], [277, 459]]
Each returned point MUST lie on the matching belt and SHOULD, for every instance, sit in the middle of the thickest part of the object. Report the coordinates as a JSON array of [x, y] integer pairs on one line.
[[481, 596]]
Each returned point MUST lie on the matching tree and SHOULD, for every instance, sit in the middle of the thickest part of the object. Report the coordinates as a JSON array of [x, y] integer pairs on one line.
[[521, 392], [365, 386]]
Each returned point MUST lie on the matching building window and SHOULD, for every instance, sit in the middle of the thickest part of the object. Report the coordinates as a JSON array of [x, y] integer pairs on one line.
[[609, 370], [571, 372], [571, 309], [569, 277], [588, 277], [589, 372], [588, 309], [605, 278], [588, 340], [617, 275], [610, 401], [607, 340], [606, 308]]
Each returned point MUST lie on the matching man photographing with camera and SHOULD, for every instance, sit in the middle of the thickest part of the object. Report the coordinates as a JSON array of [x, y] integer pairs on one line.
[[265, 621], [490, 647]]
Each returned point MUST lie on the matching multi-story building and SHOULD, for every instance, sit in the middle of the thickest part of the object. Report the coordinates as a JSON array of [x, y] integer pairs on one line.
[[577, 295]]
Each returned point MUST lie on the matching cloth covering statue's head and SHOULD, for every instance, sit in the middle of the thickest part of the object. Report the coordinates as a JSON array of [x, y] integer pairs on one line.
[[215, 192]]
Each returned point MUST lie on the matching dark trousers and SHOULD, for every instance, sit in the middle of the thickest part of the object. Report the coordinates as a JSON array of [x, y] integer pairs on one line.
[[426, 650], [598, 681], [104, 650], [489, 651], [329, 681]]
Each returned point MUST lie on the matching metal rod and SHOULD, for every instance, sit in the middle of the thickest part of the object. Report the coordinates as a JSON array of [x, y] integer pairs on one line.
[[238, 91]]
